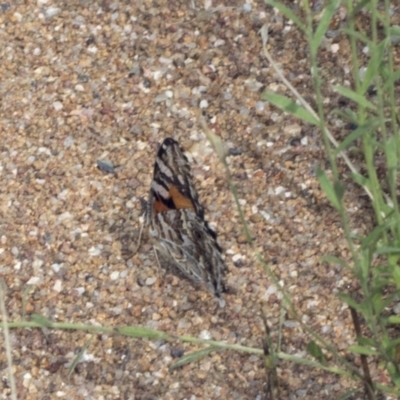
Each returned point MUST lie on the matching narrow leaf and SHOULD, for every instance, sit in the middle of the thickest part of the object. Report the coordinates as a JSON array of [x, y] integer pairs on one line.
[[334, 260], [142, 332], [285, 104], [41, 320], [79, 357], [349, 301], [394, 319], [362, 350], [357, 133], [323, 25], [328, 188], [361, 180], [316, 351], [388, 250], [356, 97], [287, 12], [396, 277], [193, 357]]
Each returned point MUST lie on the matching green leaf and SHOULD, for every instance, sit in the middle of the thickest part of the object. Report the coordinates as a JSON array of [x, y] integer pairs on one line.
[[372, 68], [358, 7], [323, 25], [391, 153], [314, 350], [329, 189], [193, 357], [356, 97], [396, 277], [285, 104], [357, 35], [357, 133], [378, 303], [287, 12], [388, 250], [392, 79], [370, 241], [78, 357], [394, 319], [349, 394], [142, 332], [360, 179], [365, 342], [346, 114], [41, 320], [394, 31], [349, 301], [334, 260], [362, 350], [339, 188]]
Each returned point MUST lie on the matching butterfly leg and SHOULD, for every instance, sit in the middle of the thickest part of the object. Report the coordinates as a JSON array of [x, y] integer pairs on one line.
[[142, 223]]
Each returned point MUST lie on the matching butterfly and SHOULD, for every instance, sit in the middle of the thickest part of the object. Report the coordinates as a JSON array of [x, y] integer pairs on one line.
[[175, 219]]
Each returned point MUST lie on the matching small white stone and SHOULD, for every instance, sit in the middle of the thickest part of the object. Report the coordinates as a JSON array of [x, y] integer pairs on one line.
[[114, 275], [271, 290], [79, 88], [37, 51], [169, 94], [69, 141], [335, 48], [150, 281], [17, 266], [64, 216], [279, 190], [18, 16], [37, 263], [237, 257], [219, 42], [92, 49], [58, 106], [33, 281], [94, 251], [80, 290], [52, 11], [304, 140], [63, 195], [205, 335], [203, 103], [57, 287], [56, 267]]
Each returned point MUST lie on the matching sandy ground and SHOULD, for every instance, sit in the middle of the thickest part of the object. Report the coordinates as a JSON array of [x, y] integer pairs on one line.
[[84, 82]]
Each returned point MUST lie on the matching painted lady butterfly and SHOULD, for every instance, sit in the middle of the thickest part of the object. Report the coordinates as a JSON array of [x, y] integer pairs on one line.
[[175, 217]]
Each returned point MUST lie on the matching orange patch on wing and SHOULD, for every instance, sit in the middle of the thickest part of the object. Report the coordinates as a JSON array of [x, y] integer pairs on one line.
[[159, 206], [179, 199]]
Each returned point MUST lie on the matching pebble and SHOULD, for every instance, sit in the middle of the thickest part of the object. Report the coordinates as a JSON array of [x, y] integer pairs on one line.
[[151, 281], [114, 275], [58, 106], [52, 12]]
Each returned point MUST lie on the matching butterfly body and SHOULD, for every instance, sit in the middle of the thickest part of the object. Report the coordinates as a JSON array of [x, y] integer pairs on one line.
[[175, 218]]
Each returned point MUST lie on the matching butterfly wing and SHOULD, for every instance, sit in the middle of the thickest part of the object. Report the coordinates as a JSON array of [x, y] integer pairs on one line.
[[172, 186], [185, 242], [176, 220]]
